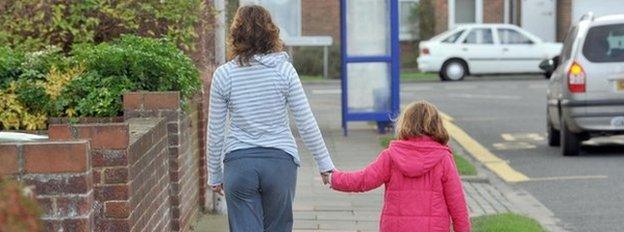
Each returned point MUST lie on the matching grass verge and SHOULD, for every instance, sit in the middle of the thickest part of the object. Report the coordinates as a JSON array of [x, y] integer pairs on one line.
[[418, 76], [507, 222], [464, 167], [305, 78]]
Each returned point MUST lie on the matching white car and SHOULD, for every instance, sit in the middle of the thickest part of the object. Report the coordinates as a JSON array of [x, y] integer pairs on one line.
[[484, 49]]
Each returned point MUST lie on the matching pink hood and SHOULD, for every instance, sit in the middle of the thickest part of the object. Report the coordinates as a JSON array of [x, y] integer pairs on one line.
[[417, 156]]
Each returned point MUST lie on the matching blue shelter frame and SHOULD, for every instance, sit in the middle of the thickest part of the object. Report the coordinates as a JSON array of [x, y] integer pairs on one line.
[[383, 118]]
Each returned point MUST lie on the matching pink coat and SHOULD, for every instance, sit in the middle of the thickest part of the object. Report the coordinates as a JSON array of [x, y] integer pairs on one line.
[[423, 191]]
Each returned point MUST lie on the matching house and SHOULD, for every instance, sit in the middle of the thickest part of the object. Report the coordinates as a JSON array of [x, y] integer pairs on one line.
[[548, 19]]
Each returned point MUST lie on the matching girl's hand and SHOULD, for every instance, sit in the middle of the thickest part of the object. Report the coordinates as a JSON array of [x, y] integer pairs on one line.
[[326, 178], [217, 189]]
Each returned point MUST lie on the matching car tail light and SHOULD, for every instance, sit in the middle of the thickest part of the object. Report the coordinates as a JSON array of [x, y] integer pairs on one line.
[[576, 78], [424, 51]]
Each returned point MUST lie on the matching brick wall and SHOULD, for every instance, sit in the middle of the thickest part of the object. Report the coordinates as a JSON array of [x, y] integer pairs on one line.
[[564, 18], [130, 172], [61, 175], [143, 174], [493, 11], [321, 17], [184, 149], [441, 15]]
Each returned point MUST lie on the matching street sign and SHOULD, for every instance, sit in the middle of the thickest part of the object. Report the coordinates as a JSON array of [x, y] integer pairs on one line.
[[370, 61]]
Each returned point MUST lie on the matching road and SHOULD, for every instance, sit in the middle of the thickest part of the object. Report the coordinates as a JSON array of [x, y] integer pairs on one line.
[[507, 116]]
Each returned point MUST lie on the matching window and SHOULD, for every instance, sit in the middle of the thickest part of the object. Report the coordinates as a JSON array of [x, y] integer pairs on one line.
[[286, 13], [511, 36], [408, 19], [479, 36], [465, 11], [605, 44], [452, 38]]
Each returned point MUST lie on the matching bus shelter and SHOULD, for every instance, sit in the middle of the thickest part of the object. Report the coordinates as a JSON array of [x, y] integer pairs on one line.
[[370, 61]]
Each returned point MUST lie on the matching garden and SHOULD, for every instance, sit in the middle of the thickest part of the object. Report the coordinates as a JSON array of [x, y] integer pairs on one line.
[[74, 59]]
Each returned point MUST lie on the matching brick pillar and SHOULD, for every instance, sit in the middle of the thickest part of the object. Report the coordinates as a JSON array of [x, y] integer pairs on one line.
[[184, 148], [61, 174], [109, 143]]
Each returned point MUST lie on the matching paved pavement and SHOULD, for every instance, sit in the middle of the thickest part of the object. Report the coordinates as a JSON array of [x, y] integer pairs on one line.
[[318, 208]]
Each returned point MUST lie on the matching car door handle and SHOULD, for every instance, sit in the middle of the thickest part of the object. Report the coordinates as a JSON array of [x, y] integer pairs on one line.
[[465, 49], [505, 49]]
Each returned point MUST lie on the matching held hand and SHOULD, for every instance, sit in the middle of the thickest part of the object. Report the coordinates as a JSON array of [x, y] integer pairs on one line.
[[326, 177], [217, 189]]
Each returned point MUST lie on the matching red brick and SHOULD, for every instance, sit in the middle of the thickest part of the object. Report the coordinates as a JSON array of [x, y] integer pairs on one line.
[[70, 206], [161, 100], [133, 100], [8, 155], [56, 157], [54, 185], [59, 132], [116, 175], [77, 225], [117, 209], [112, 225], [97, 177], [51, 225], [107, 158], [105, 136], [112, 192], [47, 206]]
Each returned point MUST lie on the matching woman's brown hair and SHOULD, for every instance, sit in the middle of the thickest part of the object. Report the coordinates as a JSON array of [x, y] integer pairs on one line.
[[252, 32], [421, 118]]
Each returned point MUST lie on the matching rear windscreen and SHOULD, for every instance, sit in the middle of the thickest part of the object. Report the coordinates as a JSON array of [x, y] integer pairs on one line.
[[605, 44]]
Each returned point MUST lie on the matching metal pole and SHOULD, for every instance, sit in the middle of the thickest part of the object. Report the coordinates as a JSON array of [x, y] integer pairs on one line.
[[325, 61]]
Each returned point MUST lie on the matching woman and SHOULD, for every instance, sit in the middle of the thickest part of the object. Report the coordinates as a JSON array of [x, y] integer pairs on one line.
[[251, 96]]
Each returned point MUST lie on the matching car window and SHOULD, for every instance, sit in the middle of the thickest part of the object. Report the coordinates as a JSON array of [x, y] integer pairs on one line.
[[511, 36], [452, 38], [605, 44], [566, 51], [479, 36]]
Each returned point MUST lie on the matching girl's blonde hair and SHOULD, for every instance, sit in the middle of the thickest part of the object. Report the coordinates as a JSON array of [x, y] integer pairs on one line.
[[421, 118]]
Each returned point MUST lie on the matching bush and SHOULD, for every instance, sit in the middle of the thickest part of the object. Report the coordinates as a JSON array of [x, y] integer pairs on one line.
[[35, 24], [18, 211], [91, 81], [309, 61]]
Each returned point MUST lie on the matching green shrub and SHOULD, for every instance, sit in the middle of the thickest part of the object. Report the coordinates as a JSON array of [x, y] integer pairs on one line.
[[91, 81], [9, 65], [34, 24], [426, 19], [18, 209], [309, 61], [150, 64]]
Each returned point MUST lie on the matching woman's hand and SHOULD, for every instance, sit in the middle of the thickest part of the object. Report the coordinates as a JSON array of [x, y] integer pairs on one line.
[[326, 176], [218, 189]]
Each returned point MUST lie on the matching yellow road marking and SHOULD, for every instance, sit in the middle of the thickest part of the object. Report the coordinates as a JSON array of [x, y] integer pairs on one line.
[[569, 178], [482, 154]]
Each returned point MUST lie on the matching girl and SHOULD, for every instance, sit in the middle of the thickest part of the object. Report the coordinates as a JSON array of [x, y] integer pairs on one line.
[[249, 101], [423, 190]]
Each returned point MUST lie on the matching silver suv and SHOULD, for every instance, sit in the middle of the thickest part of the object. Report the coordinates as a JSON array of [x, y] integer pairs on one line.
[[586, 89]]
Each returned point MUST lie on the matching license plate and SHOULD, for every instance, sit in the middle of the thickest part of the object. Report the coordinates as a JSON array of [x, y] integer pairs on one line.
[[619, 85]]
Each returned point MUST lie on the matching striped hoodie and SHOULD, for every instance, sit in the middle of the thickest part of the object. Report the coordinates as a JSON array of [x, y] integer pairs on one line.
[[249, 108]]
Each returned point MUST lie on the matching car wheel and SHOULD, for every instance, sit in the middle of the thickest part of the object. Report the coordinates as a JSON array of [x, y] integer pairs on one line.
[[570, 142], [554, 136], [547, 75], [453, 70]]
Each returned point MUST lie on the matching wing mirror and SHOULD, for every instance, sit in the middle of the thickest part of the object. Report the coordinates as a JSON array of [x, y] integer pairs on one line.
[[549, 65]]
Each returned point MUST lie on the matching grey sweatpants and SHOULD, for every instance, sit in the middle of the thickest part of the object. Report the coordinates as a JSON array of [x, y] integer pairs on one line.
[[259, 189]]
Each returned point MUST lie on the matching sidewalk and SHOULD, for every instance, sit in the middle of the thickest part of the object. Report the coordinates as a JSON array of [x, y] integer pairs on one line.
[[317, 208]]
